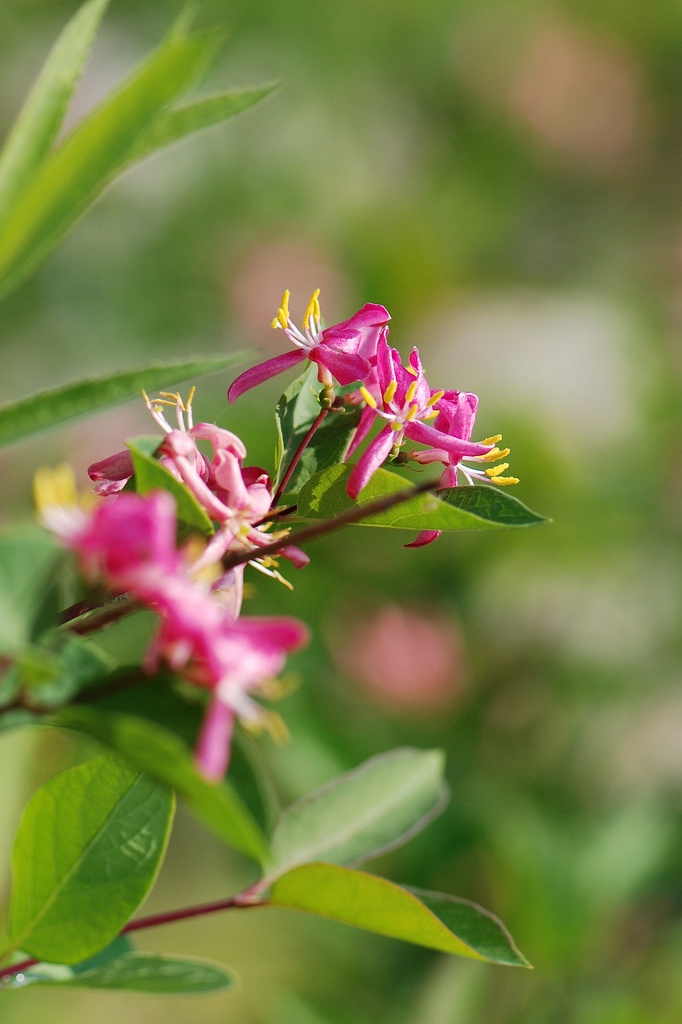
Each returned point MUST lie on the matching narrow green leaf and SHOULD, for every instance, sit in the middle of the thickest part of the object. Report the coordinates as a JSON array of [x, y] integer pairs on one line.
[[362, 813], [74, 174], [57, 406], [150, 475], [162, 754], [88, 850], [28, 559], [173, 125], [137, 972], [40, 119], [459, 508], [437, 921]]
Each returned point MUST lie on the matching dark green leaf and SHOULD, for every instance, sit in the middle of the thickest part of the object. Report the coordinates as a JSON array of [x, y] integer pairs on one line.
[[460, 508], [150, 475], [156, 750], [137, 972], [88, 850], [437, 921], [377, 806], [40, 119], [74, 174], [57, 406]]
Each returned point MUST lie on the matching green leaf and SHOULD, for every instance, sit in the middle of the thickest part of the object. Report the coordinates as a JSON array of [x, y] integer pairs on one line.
[[89, 847], [28, 560], [156, 750], [173, 125], [137, 972], [430, 919], [150, 475], [57, 406], [40, 119], [458, 508], [377, 806], [70, 179], [296, 411]]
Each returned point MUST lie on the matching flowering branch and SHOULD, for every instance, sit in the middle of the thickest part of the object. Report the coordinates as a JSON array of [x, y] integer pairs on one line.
[[294, 462]]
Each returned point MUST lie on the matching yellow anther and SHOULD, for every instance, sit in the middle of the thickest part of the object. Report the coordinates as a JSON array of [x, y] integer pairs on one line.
[[436, 397], [430, 415], [410, 393], [174, 399], [313, 309], [492, 440], [367, 397], [495, 454], [282, 320], [274, 725], [190, 398], [145, 396], [496, 470], [411, 369], [284, 307], [390, 391], [502, 480], [396, 425], [54, 487], [412, 413]]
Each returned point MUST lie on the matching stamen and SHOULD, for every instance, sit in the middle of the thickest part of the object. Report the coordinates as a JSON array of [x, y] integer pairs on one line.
[[188, 408], [54, 487], [313, 310], [413, 410], [411, 369], [496, 470], [410, 393], [282, 320], [502, 480], [284, 307], [371, 402], [494, 455], [390, 391], [174, 397], [492, 440], [435, 397], [396, 425]]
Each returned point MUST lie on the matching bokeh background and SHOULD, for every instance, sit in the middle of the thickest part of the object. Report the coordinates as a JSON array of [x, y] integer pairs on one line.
[[507, 179]]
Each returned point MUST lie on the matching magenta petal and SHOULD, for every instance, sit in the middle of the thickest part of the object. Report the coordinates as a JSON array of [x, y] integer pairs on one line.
[[298, 558], [115, 467], [212, 755], [373, 457], [424, 434], [371, 315], [264, 371], [425, 537], [342, 341], [277, 631], [345, 367]]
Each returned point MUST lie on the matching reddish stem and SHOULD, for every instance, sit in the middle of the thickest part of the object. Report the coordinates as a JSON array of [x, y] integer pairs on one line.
[[299, 452]]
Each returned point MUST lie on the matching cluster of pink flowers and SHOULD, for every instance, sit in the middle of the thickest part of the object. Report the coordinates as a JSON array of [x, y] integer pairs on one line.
[[129, 541]]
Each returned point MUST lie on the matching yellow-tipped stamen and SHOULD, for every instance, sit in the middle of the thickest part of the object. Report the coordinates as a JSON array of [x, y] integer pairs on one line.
[[411, 391], [413, 410], [494, 455], [145, 396], [371, 402], [54, 487], [503, 480], [492, 440], [435, 397], [284, 306], [275, 727], [396, 425], [411, 369], [313, 310], [390, 391], [496, 470], [174, 397], [281, 320], [430, 415]]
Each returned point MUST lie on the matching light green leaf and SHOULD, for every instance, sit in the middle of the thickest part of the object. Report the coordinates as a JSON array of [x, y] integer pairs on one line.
[[161, 753], [40, 119], [137, 972], [57, 406], [377, 806], [150, 475], [437, 921], [70, 179], [28, 559], [458, 508], [173, 125], [88, 850]]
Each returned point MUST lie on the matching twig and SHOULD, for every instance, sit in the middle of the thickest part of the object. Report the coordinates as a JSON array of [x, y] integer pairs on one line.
[[299, 452]]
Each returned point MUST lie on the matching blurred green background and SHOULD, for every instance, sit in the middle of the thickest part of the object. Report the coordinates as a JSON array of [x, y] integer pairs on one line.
[[506, 179]]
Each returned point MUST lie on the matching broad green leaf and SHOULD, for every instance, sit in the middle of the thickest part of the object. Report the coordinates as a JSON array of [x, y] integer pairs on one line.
[[173, 125], [57, 406], [28, 559], [156, 750], [437, 921], [362, 813], [70, 179], [89, 847], [150, 475], [36, 127], [458, 508], [136, 972], [296, 411]]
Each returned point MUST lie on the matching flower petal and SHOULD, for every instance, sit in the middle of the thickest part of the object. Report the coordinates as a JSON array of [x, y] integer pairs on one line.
[[264, 371], [345, 367], [437, 439], [425, 537], [370, 461]]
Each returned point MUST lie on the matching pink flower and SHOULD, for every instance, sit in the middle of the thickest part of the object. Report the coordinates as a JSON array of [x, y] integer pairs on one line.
[[406, 400], [344, 352]]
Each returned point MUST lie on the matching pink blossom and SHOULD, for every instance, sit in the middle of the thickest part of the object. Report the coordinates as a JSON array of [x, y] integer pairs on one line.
[[344, 352]]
